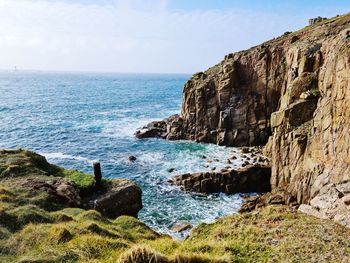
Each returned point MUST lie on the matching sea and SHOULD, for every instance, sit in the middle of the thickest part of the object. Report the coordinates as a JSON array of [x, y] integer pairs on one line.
[[74, 119]]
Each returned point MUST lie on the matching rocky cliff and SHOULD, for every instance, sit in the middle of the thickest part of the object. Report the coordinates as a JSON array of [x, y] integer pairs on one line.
[[291, 94]]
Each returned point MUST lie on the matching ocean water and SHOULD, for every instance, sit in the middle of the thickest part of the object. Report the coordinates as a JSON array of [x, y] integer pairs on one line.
[[75, 118]]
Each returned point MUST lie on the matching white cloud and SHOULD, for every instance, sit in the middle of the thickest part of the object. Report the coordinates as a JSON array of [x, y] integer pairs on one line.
[[127, 35]]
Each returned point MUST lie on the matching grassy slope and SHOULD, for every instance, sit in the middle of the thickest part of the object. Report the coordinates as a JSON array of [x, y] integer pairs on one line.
[[33, 229]]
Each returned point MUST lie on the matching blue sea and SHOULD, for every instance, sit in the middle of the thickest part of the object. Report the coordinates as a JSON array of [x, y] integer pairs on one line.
[[76, 118]]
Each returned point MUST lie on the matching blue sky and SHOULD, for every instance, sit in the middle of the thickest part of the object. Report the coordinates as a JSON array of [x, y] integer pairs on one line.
[[286, 6], [163, 36]]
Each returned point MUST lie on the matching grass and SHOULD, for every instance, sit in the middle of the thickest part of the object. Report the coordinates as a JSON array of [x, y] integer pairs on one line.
[[23, 164], [35, 229], [85, 182]]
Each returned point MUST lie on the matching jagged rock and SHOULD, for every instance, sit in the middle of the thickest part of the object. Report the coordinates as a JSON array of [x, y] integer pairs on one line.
[[181, 227], [52, 186], [295, 88], [253, 178], [332, 202], [120, 197], [295, 114], [132, 158], [275, 197], [156, 129], [245, 150], [170, 128], [313, 21], [345, 33]]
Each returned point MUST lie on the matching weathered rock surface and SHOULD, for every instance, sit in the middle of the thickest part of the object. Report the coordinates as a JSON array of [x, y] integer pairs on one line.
[[181, 227], [332, 202], [169, 128], [292, 91], [245, 180], [120, 197], [314, 153], [58, 189], [316, 20], [275, 197]]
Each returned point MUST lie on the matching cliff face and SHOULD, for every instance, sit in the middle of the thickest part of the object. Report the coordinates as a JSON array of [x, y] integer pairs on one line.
[[291, 94], [232, 102]]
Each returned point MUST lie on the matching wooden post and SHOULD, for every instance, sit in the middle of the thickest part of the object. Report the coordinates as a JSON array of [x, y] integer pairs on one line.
[[97, 172]]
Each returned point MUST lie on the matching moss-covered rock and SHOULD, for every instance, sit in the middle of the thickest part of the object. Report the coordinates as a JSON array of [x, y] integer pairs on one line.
[[34, 181]]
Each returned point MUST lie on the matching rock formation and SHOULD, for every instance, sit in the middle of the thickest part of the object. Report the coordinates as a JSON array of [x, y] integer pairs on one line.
[[120, 197], [245, 180], [316, 20], [293, 93], [56, 187]]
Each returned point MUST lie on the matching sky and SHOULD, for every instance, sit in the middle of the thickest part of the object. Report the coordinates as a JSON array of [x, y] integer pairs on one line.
[[144, 36]]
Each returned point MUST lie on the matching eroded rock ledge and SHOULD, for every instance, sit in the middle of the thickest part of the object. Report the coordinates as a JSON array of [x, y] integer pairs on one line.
[[253, 178]]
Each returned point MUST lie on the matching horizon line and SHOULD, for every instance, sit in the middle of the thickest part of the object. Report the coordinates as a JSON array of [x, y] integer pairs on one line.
[[19, 70]]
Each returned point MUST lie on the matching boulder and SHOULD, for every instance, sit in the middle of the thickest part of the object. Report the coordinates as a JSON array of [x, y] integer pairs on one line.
[[181, 227], [120, 197], [332, 202], [170, 128], [156, 129], [275, 197], [301, 112]]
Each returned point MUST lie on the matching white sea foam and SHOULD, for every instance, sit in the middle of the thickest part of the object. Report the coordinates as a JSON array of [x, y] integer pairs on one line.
[[59, 155], [125, 127]]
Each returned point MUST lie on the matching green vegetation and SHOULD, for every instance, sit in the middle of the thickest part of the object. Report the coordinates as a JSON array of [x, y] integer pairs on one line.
[[315, 93], [34, 228], [274, 234], [85, 182]]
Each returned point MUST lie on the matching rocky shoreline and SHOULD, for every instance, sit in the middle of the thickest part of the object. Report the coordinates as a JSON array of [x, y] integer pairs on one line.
[[289, 95]]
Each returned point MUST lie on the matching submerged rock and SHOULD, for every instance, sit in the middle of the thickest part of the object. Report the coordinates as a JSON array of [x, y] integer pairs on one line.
[[132, 158], [170, 170]]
